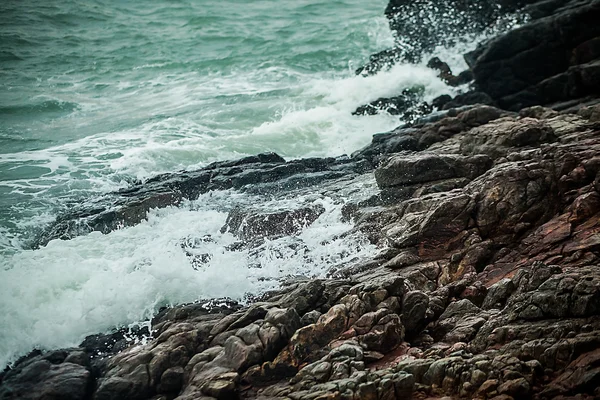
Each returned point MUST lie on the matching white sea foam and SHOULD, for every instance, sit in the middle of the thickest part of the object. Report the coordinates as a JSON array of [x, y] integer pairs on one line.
[[55, 296], [316, 121]]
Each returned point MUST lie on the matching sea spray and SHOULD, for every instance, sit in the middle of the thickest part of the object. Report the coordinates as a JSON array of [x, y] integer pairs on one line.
[[94, 283]]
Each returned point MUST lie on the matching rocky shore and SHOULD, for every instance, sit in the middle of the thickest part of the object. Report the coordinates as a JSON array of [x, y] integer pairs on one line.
[[486, 218]]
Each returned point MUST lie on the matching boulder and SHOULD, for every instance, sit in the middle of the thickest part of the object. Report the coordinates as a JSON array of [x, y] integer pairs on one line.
[[406, 169], [546, 60]]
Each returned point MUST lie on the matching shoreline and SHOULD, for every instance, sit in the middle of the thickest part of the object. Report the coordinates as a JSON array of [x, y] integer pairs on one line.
[[486, 282]]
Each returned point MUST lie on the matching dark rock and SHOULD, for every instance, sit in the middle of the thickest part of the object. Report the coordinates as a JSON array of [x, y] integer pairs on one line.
[[39, 378], [266, 173], [422, 25], [394, 105], [446, 73], [415, 306], [468, 98], [538, 63], [439, 102], [418, 168], [249, 225], [488, 230], [496, 138]]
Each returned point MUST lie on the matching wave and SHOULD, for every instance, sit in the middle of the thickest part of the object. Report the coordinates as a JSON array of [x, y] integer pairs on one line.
[[45, 106], [97, 282], [9, 56]]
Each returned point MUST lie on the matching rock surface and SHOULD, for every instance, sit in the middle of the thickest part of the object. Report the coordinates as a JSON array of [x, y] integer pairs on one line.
[[486, 284], [551, 59]]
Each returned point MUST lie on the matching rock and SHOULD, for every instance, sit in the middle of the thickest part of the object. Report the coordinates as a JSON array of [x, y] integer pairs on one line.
[[133, 386], [264, 173], [249, 225], [580, 376], [37, 378], [310, 318], [498, 294], [485, 283], [221, 388], [459, 309], [383, 334], [415, 306], [171, 380], [479, 115], [536, 63], [403, 259], [518, 388], [499, 136], [468, 98], [422, 25], [513, 194], [397, 105], [439, 102], [418, 168], [446, 73]]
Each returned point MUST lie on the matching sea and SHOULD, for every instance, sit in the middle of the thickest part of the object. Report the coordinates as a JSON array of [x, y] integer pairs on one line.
[[98, 94]]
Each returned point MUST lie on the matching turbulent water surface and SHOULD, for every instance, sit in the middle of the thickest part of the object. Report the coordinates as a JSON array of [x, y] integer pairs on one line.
[[97, 94]]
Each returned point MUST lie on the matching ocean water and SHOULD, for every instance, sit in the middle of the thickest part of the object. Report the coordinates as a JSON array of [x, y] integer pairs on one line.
[[97, 94]]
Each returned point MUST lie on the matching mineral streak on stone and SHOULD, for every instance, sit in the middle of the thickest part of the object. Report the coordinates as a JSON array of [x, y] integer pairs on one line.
[[486, 285]]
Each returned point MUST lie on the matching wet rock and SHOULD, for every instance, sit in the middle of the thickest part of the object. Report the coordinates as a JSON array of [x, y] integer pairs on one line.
[[497, 137], [466, 99], [249, 225], [579, 377], [486, 283], [415, 306], [512, 196], [516, 388], [445, 73], [39, 378], [418, 168], [513, 67], [265, 173], [403, 259], [397, 105], [423, 25], [498, 294]]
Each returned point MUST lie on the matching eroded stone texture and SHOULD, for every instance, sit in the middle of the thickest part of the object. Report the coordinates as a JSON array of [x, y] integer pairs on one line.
[[486, 284]]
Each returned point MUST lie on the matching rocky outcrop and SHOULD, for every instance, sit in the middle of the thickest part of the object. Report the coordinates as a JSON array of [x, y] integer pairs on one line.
[[551, 59], [419, 26], [486, 284], [262, 174]]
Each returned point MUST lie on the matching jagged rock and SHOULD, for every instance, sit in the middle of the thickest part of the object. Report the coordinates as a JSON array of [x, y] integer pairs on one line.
[[249, 225], [486, 284], [445, 73], [418, 168], [422, 25], [498, 294], [539, 64], [516, 388], [42, 377], [403, 259], [397, 105], [423, 134], [466, 99], [499, 136], [415, 306], [264, 173], [579, 377]]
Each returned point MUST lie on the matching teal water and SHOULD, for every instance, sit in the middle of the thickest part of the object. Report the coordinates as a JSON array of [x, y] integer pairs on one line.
[[96, 94]]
